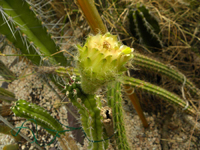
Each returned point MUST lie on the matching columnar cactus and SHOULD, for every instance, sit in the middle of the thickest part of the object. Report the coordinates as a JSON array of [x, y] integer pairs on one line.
[[153, 65], [145, 26], [162, 93], [89, 108], [22, 108], [115, 102], [101, 60]]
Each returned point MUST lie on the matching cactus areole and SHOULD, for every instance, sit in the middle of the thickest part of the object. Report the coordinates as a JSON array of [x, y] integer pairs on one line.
[[101, 60]]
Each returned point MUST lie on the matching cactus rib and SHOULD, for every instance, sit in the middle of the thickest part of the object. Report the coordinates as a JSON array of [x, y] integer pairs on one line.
[[89, 114], [150, 64], [22, 108], [155, 90], [115, 102], [145, 27]]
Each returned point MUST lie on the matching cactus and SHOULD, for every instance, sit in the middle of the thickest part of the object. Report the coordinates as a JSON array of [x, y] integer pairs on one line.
[[164, 94], [89, 108], [101, 60], [21, 26], [153, 65], [115, 102], [22, 108], [145, 27]]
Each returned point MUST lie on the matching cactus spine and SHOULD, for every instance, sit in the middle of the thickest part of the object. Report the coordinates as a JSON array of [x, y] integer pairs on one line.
[[89, 109], [21, 26], [145, 27], [22, 108]]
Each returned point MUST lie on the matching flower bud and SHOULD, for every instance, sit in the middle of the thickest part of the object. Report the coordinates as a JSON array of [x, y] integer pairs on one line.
[[101, 60]]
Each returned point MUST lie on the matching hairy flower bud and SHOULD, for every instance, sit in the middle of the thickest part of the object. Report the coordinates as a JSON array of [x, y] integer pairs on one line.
[[101, 60]]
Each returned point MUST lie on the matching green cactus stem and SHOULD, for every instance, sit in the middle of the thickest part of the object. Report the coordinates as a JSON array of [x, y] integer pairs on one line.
[[114, 98], [153, 65], [89, 108], [101, 60], [145, 27], [158, 91], [20, 25], [27, 110]]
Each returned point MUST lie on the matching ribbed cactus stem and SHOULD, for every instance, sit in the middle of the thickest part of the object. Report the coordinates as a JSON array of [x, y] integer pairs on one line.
[[145, 26], [101, 60], [21, 26], [115, 102], [89, 110], [158, 91], [153, 65], [27, 110]]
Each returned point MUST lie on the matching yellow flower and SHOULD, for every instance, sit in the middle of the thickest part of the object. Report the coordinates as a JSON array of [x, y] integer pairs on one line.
[[101, 60]]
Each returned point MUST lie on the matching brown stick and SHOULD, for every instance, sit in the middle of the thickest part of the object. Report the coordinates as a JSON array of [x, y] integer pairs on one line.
[[92, 16], [133, 97]]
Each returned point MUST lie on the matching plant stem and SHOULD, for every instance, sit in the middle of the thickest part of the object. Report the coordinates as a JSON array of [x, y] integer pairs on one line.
[[6, 95], [134, 99], [158, 91], [92, 16], [163, 69], [114, 99], [6, 73]]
